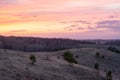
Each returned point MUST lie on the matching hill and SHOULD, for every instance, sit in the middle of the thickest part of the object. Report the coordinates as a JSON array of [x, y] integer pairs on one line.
[[15, 65], [51, 62]]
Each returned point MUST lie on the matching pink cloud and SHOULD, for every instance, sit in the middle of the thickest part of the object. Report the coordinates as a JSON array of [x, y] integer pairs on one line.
[[83, 14]]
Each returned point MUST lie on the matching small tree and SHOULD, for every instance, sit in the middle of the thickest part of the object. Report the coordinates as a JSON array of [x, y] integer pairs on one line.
[[69, 57], [114, 49], [97, 54], [103, 57], [109, 75], [96, 66], [32, 59]]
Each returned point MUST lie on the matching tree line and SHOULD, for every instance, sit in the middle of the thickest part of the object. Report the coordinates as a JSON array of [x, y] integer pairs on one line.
[[33, 44]]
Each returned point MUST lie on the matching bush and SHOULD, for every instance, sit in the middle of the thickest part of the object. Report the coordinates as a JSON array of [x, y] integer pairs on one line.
[[96, 66], [69, 57], [97, 54], [109, 75], [76, 56], [32, 59], [113, 49], [103, 57]]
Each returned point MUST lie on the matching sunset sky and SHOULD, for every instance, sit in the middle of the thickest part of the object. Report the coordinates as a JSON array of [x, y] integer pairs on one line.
[[76, 19]]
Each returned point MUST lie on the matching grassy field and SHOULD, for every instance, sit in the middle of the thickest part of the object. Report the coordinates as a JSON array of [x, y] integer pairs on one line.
[[16, 65]]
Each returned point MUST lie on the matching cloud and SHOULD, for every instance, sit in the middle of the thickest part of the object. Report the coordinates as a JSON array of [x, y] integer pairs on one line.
[[81, 21], [74, 27], [112, 6], [76, 21], [78, 25], [11, 2], [16, 31], [106, 25], [112, 17], [109, 24]]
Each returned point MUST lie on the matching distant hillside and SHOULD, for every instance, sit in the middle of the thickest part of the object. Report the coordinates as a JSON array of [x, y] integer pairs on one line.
[[114, 42], [32, 44]]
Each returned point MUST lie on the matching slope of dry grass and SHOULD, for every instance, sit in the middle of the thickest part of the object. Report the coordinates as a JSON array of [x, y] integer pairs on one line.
[[15, 65]]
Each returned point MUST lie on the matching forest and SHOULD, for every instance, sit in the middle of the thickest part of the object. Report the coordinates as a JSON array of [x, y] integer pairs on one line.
[[34, 44]]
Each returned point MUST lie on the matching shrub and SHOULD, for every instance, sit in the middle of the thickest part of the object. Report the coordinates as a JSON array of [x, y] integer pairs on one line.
[[17, 74], [32, 59], [96, 66], [109, 75], [97, 54], [103, 57], [76, 56], [69, 57], [113, 49]]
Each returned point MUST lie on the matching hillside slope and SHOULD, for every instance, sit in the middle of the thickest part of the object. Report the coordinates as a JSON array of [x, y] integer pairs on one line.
[[111, 60], [15, 65]]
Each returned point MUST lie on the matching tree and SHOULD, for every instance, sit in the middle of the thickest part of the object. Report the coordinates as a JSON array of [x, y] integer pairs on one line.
[[96, 66], [113, 49], [97, 54], [69, 57], [103, 57], [109, 75], [32, 59]]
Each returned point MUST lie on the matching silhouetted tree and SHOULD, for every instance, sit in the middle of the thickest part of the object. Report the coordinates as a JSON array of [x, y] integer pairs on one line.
[[113, 49], [97, 54], [32, 59], [103, 57], [96, 66], [69, 57], [109, 75]]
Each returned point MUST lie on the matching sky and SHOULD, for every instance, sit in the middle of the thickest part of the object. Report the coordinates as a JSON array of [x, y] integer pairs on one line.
[[75, 19]]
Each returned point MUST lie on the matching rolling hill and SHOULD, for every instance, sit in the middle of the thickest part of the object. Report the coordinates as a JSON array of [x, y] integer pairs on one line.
[[15, 65]]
